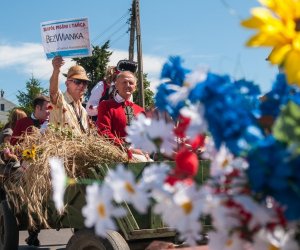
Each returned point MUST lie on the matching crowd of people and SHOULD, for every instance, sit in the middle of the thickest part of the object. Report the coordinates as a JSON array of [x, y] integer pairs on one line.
[[109, 108]]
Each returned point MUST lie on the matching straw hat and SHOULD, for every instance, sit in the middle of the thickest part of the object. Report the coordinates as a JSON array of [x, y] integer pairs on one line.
[[77, 72]]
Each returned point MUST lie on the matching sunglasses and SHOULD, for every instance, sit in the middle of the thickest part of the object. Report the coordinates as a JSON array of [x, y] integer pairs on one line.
[[78, 82]]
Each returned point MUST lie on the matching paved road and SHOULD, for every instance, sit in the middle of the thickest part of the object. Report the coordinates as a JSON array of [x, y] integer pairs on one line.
[[56, 240], [50, 239]]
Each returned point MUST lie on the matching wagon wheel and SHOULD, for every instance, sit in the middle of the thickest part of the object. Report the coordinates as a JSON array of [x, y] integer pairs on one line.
[[9, 233], [85, 239]]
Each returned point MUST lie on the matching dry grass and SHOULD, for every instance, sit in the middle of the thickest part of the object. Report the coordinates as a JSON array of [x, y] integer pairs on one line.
[[29, 191]]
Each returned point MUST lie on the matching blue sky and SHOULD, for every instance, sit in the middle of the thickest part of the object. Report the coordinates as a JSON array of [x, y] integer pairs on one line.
[[206, 33]]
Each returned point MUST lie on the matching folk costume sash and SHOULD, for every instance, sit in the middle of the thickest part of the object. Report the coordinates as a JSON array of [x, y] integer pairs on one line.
[[129, 113], [127, 106]]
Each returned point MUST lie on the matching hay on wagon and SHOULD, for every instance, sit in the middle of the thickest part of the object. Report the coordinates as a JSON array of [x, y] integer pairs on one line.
[[30, 189]]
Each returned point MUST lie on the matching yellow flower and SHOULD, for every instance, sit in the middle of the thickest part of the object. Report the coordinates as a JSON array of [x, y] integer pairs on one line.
[[26, 153], [33, 154], [278, 26], [29, 153]]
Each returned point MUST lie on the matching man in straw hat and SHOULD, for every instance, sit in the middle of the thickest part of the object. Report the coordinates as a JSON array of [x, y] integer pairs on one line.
[[67, 110]]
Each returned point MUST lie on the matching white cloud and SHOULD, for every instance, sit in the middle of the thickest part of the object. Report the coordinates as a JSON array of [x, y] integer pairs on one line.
[[19, 54], [29, 59], [154, 83]]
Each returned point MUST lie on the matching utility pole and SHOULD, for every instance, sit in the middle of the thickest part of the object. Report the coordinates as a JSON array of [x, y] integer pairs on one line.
[[132, 31], [135, 26]]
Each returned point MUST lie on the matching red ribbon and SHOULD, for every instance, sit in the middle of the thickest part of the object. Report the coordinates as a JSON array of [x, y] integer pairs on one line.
[[128, 103]]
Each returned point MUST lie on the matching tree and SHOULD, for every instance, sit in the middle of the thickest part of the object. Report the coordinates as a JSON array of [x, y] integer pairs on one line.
[[148, 94], [33, 88], [95, 65], [1, 125]]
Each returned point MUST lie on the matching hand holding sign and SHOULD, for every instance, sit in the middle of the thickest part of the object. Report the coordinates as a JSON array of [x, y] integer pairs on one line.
[[57, 63]]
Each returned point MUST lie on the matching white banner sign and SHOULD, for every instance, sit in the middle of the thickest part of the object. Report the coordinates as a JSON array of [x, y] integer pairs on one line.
[[66, 38]]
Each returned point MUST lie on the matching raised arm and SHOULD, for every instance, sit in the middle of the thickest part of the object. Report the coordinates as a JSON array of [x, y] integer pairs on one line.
[[57, 62]]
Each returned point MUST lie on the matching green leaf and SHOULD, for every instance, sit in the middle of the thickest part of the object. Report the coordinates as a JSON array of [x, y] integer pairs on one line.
[[287, 125]]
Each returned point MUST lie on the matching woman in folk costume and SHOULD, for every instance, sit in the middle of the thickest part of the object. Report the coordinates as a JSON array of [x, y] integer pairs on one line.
[[103, 90], [117, 113]]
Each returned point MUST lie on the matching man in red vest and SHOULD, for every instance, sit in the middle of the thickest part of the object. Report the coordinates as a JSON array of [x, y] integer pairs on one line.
[[104, 90], [117, 113], [39, 116]]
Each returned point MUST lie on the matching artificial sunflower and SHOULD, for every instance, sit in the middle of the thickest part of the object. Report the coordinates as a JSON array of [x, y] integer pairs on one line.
[[29, 154], [278, 26]]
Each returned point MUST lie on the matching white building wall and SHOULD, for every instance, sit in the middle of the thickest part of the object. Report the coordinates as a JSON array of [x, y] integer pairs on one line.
[[5, 107]]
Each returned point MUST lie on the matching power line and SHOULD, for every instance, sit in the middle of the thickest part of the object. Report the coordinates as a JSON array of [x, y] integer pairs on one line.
[[118, 38], [114, 33], [112, 25], [231, 10], [238, 67]]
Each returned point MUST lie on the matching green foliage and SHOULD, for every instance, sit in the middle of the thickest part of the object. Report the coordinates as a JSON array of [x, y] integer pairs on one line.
[[33, 88], [286, 128], [95, 65], [1, 125], [148, 94]]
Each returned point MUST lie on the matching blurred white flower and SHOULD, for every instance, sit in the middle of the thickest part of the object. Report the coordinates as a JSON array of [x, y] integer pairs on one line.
[[137, 134], [190, 202], [198, 124], [192, 79], [182, 212], [59, 182], [196, 76], [222, 160], [99, 210], [220, 240], [289, 241], [124, 187], [280, 238], [165, 203], [260, 215], [151, 135], [221, 215], [262, 241], [153, 177], [210, 149]]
